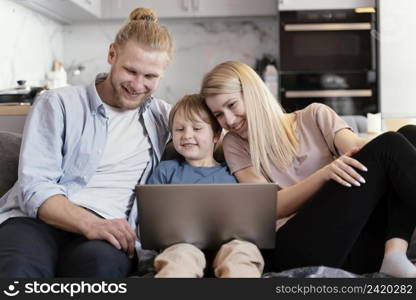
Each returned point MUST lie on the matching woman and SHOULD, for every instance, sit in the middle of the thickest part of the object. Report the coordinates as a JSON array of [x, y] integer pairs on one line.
[[344, 201]]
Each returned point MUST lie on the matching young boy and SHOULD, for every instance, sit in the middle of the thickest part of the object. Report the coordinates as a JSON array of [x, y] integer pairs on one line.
[[194, 133]]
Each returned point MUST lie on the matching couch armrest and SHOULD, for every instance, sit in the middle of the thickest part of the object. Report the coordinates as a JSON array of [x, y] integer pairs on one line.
[[9, 159]]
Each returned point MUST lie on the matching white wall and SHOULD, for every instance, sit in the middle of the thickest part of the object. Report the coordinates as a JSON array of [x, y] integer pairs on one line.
[[200, 45], [397, 58], [29, 44]]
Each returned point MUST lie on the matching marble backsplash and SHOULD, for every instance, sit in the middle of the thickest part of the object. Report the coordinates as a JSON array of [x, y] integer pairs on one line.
[[200, 44], [29, 44]]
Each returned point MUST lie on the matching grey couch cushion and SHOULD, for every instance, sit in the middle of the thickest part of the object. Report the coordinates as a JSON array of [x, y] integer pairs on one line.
[[9, 159], [321, 272], [356, 122]]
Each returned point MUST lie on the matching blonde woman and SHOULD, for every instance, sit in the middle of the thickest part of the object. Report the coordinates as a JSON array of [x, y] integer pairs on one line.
[[344, 201]]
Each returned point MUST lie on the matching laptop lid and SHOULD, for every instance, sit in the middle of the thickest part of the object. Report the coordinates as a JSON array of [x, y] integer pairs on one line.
[[206, 215]]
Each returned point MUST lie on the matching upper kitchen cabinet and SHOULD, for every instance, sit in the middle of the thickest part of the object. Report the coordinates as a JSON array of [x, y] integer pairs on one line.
[[120, 9], [91, 6], [323, 4], [225, 8], [66, 11]]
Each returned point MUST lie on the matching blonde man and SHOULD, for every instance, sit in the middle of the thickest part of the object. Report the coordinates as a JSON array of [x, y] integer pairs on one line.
[[72, 212]]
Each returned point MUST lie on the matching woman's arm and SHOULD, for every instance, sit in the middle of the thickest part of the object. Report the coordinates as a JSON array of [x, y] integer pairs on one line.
[[344, 169], [345, 140], [292, 198]]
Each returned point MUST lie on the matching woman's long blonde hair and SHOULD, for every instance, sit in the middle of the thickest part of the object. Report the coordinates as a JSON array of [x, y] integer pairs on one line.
[[144, 29], [271, 134]]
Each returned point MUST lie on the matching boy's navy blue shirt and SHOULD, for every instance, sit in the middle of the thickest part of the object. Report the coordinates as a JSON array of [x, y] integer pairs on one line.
[[181, 172]]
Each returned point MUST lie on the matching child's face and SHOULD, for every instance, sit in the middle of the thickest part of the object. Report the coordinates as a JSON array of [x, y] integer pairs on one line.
[[194, 140]]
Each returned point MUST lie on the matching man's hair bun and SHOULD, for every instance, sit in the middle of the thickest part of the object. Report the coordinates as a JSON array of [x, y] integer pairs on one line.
[[144, 14]]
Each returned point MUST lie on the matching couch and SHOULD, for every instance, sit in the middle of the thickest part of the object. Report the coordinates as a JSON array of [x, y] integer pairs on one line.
[[9, 157], [357, 123]]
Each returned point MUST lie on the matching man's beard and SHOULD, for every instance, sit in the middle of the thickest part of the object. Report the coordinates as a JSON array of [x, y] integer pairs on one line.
[[118, 97]]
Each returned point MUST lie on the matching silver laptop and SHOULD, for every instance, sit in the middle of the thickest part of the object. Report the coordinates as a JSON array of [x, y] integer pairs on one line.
[[206, 215]]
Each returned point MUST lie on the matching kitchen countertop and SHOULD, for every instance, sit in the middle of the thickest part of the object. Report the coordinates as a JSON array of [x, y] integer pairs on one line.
[[14, 109]]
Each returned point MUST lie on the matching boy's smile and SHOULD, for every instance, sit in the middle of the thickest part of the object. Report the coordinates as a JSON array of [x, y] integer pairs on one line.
[[194, 140]]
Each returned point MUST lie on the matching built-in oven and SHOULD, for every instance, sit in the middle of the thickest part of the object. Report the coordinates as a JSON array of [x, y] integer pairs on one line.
[[328, 56], [347, 92], [326, 40]]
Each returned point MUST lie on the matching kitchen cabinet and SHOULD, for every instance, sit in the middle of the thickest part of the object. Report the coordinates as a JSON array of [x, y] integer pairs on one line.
[[224, 8], [120, 9], [91, 6], [13, 117], [323, 4], [66, 11]]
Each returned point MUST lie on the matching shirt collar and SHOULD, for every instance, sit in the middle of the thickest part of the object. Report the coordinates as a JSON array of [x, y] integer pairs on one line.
[[96, 104], [146, 104]]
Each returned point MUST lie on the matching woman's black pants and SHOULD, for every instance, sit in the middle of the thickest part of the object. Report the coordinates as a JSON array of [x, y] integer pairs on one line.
[[347, 227]]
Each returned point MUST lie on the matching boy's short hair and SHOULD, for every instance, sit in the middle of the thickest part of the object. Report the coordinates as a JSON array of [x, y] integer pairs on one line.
[[192, 107]]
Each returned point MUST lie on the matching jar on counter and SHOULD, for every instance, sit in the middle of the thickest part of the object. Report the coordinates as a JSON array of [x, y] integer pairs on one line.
[[57, 77]]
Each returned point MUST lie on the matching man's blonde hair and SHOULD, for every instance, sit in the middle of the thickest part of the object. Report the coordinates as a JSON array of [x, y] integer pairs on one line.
[[144, 29], [193, 107], [271, 134]]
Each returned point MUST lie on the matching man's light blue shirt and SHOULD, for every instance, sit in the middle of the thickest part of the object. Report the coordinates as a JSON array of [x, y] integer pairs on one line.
[[63, 141]]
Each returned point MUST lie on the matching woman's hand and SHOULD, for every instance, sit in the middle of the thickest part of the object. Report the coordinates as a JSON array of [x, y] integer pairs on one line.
[[342, 169]]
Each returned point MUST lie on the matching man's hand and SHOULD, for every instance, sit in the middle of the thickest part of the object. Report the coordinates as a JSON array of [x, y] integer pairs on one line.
[[58, 211], [115, 231]]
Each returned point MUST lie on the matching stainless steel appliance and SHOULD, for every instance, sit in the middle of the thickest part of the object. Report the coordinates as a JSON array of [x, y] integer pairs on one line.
[[328, 56], [22, 94]]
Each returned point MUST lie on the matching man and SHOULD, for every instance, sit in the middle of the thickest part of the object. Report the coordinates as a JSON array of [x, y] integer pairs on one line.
[[72, 212]]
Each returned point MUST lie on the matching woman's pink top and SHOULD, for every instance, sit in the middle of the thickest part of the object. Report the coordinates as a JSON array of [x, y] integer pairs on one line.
[[316, 126]]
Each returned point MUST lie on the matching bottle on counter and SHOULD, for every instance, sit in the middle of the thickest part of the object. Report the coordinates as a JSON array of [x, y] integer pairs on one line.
[[57, 77], [270, 79]]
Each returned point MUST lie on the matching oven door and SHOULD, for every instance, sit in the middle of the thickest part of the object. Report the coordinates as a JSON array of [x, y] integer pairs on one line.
[[349, 93], [325, 41]]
